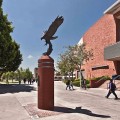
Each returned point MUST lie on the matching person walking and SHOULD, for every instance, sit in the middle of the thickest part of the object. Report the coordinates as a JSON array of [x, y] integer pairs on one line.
[[71, 85], [83, 84], [68, 84], [24, 80], [112, 88]]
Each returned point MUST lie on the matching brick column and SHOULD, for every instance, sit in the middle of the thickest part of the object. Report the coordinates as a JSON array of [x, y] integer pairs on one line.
[[46, 83]]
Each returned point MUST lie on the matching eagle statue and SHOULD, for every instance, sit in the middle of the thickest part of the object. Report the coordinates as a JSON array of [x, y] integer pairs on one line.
[[49, 34]]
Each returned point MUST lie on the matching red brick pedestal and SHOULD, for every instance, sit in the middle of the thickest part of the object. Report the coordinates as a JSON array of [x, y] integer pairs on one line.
[[46, 83]]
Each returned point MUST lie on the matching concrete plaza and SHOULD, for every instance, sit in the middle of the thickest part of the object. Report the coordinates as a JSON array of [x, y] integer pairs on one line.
[[19, 102]]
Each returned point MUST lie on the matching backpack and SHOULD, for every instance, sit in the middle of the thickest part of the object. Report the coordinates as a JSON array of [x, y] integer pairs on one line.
[[68, 82], [113, 86]]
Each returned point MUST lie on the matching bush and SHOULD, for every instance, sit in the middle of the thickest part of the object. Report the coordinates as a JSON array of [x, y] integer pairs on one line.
[[76, 79], [87, 82], [76, 83], [88, 85], [64, 81]]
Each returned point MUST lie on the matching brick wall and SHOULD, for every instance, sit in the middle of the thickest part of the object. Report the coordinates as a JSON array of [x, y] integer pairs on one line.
[[100, 35]]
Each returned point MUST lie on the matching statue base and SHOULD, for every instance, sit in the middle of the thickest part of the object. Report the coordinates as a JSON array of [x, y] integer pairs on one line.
[[46, 83]]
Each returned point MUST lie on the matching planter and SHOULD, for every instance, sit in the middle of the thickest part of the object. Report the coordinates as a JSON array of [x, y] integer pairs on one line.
[[96, 83]]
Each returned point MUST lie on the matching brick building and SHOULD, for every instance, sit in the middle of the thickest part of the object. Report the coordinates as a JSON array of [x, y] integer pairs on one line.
[[104, 38]]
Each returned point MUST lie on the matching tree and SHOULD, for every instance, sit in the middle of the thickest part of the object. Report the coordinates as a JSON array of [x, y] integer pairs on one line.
[[23, 73], [65, 64], [28, 73], [18, 75], [75, 56], [79, 55], [12, 75], [61, 65], [10, 56]]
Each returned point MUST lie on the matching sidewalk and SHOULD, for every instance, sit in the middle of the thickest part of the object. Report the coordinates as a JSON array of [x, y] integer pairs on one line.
[[19, 102]]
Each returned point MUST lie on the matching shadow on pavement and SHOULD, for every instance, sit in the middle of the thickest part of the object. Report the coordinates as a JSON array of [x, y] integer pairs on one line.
[[79, 110], [15, 88], [114, 99]]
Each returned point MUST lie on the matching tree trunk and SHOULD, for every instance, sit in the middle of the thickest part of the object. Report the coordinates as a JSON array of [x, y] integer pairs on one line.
[[81, 76], [1, 75], [7, 81], [12, 79], [72, 75]]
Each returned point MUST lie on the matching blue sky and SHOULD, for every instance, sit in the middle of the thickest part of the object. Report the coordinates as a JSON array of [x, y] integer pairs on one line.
[[31, 17]]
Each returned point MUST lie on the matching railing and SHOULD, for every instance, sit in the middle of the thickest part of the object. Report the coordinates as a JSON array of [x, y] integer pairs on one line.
[[114, 77]]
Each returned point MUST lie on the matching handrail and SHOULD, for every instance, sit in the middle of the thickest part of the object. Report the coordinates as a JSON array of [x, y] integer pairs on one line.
[[116, 77]]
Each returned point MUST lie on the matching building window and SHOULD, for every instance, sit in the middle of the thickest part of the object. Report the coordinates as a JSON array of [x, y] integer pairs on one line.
[[100, 67]]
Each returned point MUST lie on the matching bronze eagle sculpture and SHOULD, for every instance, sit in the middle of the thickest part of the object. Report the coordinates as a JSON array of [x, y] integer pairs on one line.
[[49, 34]]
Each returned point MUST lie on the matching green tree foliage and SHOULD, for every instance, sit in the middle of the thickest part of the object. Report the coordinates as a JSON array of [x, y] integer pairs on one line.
[[10, 56], [74, 58], [61, 64], [18, 75], [28, 73], [23, 73], [79, 54], [1, 3], [65, 64]]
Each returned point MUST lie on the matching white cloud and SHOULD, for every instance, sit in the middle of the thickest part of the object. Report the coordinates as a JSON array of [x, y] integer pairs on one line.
[[30, 57]]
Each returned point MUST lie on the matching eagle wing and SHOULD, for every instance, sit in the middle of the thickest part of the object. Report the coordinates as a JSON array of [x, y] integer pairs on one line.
[[53, 28]]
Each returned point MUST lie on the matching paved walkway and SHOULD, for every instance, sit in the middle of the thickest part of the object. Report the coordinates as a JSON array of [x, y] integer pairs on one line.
[[19, 102]]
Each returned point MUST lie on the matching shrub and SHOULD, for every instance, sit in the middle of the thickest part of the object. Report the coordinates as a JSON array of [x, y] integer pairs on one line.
[[87, 81], [77, 80], [88, 85], [76, 83], [64, 81]]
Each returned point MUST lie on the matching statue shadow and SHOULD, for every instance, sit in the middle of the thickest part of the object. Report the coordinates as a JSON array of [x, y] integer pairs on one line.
[[15, 88], [79, 110]]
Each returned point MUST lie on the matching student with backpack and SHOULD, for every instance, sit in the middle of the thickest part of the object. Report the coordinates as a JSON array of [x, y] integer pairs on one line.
[[112, 88], [68, 84]]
